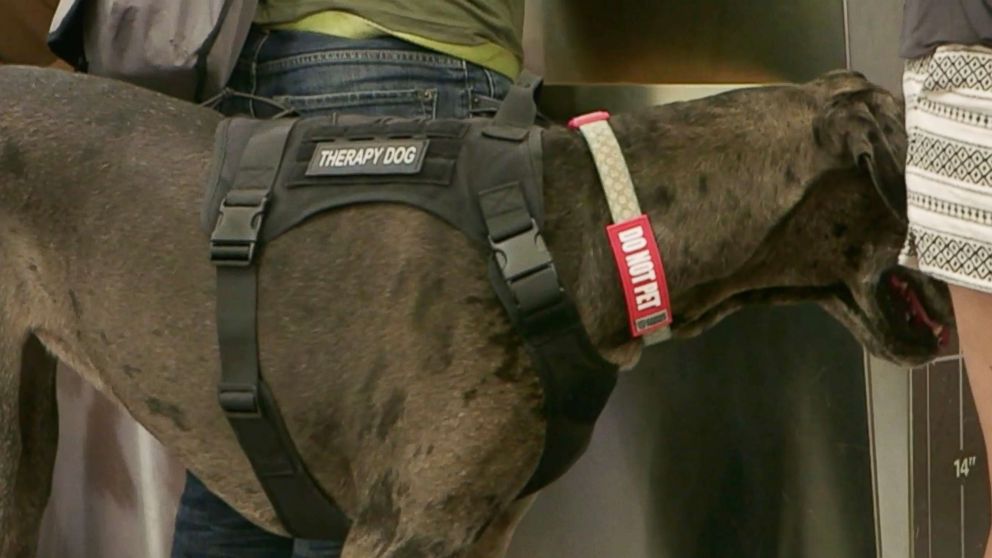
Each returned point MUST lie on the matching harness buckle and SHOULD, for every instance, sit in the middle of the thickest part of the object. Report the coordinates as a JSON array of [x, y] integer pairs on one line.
[[528, 269], [235, 236], [239, 400]]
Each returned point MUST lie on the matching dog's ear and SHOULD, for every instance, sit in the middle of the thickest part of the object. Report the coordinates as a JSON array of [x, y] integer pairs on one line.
[[864, 125]]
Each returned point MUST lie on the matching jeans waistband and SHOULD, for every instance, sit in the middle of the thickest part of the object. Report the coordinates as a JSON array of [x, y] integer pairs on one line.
[[267, 45]]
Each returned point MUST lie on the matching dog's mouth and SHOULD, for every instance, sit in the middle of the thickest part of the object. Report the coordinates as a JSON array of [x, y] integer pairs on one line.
[[901, 316], [905, 307]]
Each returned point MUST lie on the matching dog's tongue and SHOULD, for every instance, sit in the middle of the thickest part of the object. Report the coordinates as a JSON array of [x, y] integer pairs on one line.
[[918, 311]]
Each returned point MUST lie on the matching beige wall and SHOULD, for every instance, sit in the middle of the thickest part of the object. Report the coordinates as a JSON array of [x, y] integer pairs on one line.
[[679, 41]]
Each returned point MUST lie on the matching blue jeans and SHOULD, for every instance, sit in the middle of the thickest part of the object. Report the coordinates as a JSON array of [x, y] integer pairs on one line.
[[283, 72], [286, 72]]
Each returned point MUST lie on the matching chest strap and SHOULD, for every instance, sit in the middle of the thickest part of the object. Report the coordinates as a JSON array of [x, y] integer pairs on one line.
[[303, 508], [575, 379]]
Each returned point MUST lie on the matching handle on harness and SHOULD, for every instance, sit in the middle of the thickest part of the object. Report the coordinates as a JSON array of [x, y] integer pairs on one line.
[[518, 111]]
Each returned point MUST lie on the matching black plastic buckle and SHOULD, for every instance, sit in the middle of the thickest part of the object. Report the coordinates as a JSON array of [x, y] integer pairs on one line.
[[239, 400], [233, 240], [527, 268]]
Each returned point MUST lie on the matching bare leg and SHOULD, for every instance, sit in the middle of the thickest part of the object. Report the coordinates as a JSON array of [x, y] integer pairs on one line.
[[973, 311]]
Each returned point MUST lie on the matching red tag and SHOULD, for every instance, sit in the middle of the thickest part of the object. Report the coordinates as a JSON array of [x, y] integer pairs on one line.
[[642, 274]]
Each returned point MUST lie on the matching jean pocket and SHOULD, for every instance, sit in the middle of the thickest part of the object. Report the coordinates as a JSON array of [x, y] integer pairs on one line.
[[484, 105], [403, 103]]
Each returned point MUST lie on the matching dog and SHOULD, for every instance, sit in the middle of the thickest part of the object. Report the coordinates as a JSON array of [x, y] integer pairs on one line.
[[406, 390]]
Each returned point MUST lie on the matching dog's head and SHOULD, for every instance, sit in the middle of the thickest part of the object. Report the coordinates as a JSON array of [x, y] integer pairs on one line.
[[834, 223]]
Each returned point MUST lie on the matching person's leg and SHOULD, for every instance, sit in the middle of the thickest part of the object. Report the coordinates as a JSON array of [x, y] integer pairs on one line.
[[307, 548], [973, 312], [949, 185], [206, 527]]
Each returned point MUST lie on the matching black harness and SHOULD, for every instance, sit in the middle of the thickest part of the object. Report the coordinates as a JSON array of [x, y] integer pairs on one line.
[[481, 176]]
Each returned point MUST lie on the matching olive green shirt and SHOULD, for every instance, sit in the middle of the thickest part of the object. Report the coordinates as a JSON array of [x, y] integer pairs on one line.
[[487, 32]]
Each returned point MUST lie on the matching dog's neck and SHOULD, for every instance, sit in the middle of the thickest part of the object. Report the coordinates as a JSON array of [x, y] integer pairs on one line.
[[577, 214], [697, 168]]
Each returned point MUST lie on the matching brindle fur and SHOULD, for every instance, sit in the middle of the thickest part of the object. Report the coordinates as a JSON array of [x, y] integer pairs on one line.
[[406, 390]]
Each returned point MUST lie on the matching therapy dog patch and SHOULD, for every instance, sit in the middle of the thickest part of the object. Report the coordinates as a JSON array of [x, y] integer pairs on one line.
[[368, 157]]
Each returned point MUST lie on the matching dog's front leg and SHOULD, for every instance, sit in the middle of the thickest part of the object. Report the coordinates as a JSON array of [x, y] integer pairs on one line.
[[28, 439], [495, 541], [470, 518], [437, 531], [454, 473]]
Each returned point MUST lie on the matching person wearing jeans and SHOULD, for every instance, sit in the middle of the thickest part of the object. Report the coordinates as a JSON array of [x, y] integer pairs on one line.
[[285, 72]]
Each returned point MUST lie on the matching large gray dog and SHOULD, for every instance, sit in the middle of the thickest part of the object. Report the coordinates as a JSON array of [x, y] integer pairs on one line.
[[410, 397]]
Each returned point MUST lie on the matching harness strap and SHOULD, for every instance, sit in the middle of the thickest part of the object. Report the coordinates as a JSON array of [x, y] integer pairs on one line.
[[523, 275], [525, 266], [525, 280], [518, 110], [302, 507]]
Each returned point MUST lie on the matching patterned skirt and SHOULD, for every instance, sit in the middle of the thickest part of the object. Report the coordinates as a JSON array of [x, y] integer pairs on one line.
[[949, 165]]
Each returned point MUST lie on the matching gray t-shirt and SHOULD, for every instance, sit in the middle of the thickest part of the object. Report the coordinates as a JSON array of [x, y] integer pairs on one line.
[[928, 24]]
